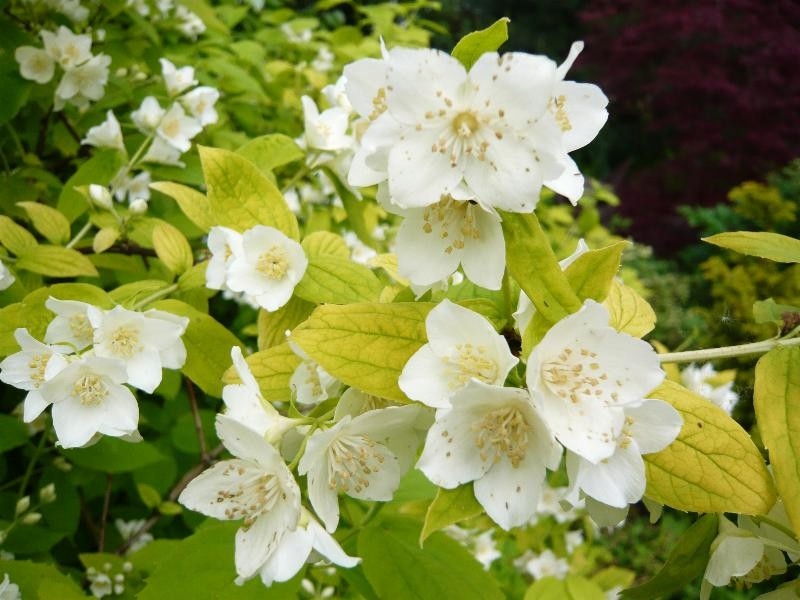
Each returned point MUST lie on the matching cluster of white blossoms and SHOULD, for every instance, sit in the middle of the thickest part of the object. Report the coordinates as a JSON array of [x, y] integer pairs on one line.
[[168, 131], [717, 387], [84, 75], [262, 263], [8, 589], [186, 21], [88, 358], [72, 9]]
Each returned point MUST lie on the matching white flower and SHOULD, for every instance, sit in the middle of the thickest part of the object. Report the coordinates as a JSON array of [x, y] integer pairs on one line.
[[177, 129], [359, 251], [547, 564], [583, 373], [189, 24], [300, 546], [200, 104], [35, 64], [100, 195], [148, 115], [176, 80], [462, 346], [310, 383], [137, 206], [74, 11], [101, 585], [619, 479], [573, 539], [7, 278], [106, 135], [85, 82], [363, 457], [224, 244], [435, 126], [128, 528], [550, 504], [88, 398], [494, 437], [140, 341], [269, 267], [245, 404], [160, 152], [25, 370], [702, 380], [134, 188], [255, 486], [484, 548], [67, 48], [326, 130], [336, 95], [70, 325], [434, 240], [323, 61], [8, 590]]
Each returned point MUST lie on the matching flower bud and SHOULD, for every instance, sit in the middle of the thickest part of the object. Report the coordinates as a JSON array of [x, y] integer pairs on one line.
[[47, 494], [138, 206], [32, 518], [100, 196], [23, 504]]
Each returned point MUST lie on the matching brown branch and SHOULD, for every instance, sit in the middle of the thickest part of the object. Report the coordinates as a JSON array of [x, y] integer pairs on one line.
[[101, 537], [198, 422]]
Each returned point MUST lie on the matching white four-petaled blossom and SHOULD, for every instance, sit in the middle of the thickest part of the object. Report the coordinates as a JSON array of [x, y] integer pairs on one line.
[[70, 325], [200, 104], [35, 64], [177, 128], [107, 134], [176, 80]]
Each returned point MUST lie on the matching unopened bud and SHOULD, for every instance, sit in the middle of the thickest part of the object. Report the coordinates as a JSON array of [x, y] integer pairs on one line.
[[48, 493], [138, 206], [100, 196], [31, 518], [23, 504]]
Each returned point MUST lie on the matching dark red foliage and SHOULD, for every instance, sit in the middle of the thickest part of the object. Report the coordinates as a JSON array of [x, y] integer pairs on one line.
[[709, 91]]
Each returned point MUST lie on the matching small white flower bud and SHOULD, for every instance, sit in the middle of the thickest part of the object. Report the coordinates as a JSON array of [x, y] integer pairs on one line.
[[23, 504], [308, 586], [138, 206], [119, 578], [119, 589], [48, 493], [121, 72], [100, 196], [31, 518], [127, 567]]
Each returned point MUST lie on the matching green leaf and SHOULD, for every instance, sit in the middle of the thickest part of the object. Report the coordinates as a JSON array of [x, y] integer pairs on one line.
[[271, 150], [685, 563], [149, 495], [132, 293], [777, 404], [365, 345], [448, 507], [355, 208], [14, 237], [105, 238], [713, 465], [194, 278], [592, 273], [398, 569], [272, 326], [172, 248], [112, 455], [194, 205], [37, 580], [55, 261], [333, 280], [325, 243], [573, 587], [773, 246], [208, 556], [769, 311], [470, 48], [272, 369], [48, 221], [101, 168], [13, 433], [240, 196], [15, 88], [208, 346], [629, 312]]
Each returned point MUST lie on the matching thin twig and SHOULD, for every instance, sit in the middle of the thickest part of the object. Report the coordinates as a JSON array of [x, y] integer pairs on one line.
[[101, 537], [198, 422]]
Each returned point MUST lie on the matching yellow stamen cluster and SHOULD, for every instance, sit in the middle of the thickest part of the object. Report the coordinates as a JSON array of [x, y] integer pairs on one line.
[[441, 216], [351, 459], [558, 107], [502, 432], [81, 328], [124, 342], [248, 498], [471, 361], [274, 263], [90, 389], [37, 365], [577, 376]]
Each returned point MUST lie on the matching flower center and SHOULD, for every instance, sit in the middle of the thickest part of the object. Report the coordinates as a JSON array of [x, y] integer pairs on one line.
[[351, 459], [471, 362], [90, 390], [465, 124], [248, 497], [171, 127], [502, 432], [274, 263], [81, 328], [125, 341], [453, 219], [378, 104], [557, 106], [576, 376], [37, 366]]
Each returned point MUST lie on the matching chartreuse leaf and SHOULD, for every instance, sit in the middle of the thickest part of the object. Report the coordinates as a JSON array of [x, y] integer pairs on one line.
[[448, 507], [271, 150], [713, 465], [112, 455], [105, 238], [573, 587], [240, 196], [470, 48], [272, 369], [194, 205], [628, 311], [769, 311], [38, 580], [48, 221], [532, 263], [132, 293], [325, 243], [272, 326], [55, 261], [774, 246], [208, 556], [103, 166], [208, 346], [398, 569], [172, 248], [777, 405], [592, 273], [15, 237], [333, 280], [686, 562], [365, 345]]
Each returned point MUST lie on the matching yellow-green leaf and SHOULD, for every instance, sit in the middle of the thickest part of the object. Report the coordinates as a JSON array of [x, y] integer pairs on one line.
[[271, 150], [448, 507], [713, 465], [321, 243], [193, 204], [333, 280], [777, 406], [14, 237], [774, 246], [272, 326], [590, 275], [48, 221], [194, 278], [629, 312], [240, 196], [132, 293], [272, 368], [470, 48], [55, 261], [365, 345], [104, 239], [172, 248], [572, 587]]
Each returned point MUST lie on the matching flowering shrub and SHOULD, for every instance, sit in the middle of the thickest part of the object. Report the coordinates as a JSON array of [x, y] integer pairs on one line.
[[300, 363]]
